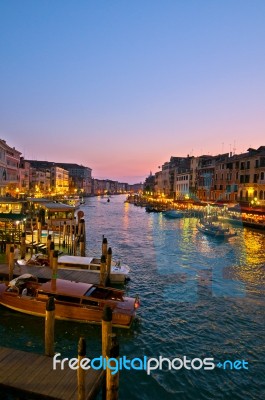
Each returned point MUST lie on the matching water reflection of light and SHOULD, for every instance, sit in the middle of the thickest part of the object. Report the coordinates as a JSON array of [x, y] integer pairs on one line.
[[203, 246], [254, 247], [125, 218]]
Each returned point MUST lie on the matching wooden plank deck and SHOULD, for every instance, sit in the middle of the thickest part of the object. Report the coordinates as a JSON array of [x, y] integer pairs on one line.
[[33, 374], [46, 273]]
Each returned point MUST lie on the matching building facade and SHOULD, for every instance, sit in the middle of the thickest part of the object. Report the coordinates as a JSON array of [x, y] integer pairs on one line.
[[9, 169]]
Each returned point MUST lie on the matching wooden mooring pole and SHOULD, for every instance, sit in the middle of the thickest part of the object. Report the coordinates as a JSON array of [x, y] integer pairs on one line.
[[23, 245], [82, 246], [8, 245], [105, 246], [102, 278], [64, 233], [49, 240], [106, 329], [51, 254], [81, 371], [112, 380], [106, 340], [49, 327], [11, 263], [55, 264], [109, 258]]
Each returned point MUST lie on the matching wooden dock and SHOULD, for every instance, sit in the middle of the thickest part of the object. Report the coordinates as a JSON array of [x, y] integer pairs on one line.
[[33, 374], [46, 273]]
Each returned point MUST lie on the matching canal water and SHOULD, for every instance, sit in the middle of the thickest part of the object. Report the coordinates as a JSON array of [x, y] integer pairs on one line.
[[201, 297]]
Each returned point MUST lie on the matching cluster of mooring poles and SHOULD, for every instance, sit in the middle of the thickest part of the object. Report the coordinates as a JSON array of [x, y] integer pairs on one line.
[[110, 350]]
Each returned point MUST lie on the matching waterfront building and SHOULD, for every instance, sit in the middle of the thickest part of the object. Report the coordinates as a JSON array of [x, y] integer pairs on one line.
[[80, 180], [9, 169], [158, 185], [202, 176], [39, 181], [221, 178], [107, 186], [24, 177], [166, 182], [98, 186], [251, 187], [122, 187], [136, 188], [241, 178], [182, 185], [149, 184], [59, 180]]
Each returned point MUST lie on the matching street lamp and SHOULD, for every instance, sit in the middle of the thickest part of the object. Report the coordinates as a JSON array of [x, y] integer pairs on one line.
[[255, 202]]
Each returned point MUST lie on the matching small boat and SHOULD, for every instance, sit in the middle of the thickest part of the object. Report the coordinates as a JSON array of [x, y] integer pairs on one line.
[[214, 229], [118, 274], [150, 209], [74, 301], [173, 214]]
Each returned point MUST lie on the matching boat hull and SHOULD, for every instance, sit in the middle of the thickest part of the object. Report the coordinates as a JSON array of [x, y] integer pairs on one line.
[[215, 233], [173, 214], [78, 311]]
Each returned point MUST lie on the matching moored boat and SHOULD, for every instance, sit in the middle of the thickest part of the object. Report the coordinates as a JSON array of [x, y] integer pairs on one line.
[[215, 229], [118, 273], [171, 214], [75, 301]]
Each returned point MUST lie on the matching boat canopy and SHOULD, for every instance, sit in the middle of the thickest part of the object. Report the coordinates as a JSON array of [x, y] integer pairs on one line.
[[64, 287], [75, 260]]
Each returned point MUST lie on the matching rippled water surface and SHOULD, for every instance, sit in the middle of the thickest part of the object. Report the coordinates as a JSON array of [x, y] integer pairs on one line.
[[200, 297]]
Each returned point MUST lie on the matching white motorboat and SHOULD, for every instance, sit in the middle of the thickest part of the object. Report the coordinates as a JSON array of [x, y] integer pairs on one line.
[[119, 273]]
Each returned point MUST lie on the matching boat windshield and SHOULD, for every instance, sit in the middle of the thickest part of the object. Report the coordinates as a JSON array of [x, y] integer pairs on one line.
[[20, 280], [104, 294]]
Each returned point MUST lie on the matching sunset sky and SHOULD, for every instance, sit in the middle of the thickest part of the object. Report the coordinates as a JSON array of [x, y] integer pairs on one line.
[[120, 86]]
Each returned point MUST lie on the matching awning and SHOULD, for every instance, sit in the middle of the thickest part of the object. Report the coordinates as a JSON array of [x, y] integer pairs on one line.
[[12, 217]]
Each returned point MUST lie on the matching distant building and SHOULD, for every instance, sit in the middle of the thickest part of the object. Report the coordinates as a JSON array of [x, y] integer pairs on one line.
[[136, 188], [107, 186]]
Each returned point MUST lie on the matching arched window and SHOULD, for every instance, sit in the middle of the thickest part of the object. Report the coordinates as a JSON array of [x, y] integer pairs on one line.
[[262, 176], [261, 195], [241, 194], [255, 194]]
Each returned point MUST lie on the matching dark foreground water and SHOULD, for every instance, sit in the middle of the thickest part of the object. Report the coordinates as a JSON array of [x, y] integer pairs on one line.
[[200, 297]]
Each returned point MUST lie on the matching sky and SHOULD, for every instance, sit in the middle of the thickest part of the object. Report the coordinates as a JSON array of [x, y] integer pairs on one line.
[[121, 86]]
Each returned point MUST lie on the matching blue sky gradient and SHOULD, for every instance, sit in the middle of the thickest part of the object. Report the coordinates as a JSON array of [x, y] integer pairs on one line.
[[120, 86]]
